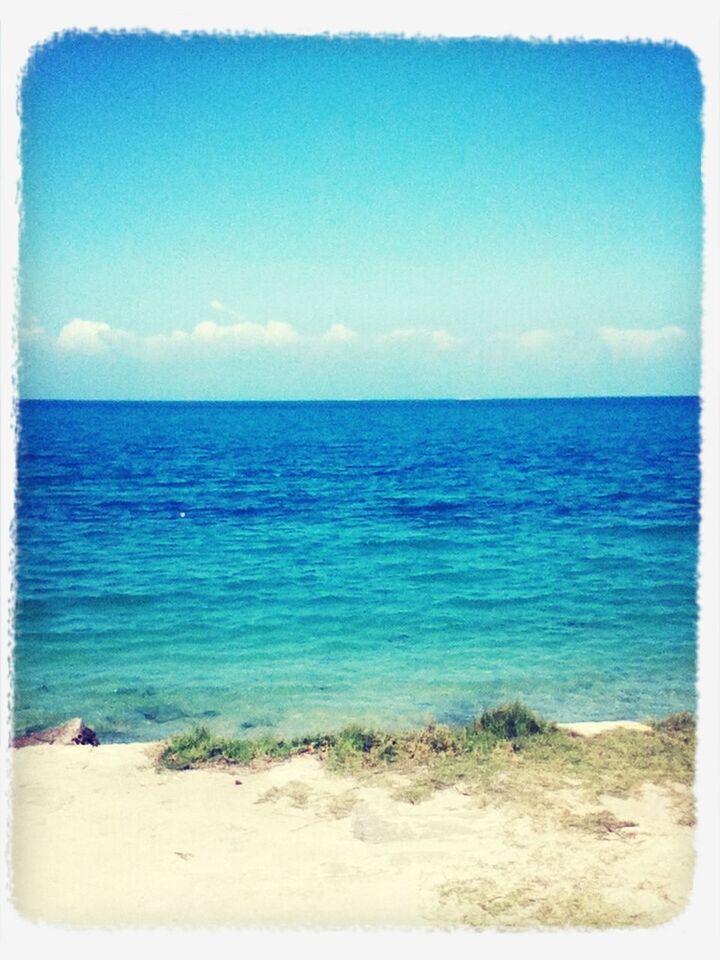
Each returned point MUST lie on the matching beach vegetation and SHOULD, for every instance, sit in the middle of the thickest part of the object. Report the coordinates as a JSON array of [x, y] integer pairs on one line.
[[677, 725], [342, 805], [485, 903], [507, 754], [296, 793], [356, 746], [512, 722], [198, 747]]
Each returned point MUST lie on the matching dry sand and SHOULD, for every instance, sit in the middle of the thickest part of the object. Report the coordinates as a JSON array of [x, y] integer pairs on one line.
[[103, 838], [591, 728]]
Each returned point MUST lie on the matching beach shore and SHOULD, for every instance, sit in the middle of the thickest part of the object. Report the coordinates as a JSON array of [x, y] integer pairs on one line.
[[104, 837]]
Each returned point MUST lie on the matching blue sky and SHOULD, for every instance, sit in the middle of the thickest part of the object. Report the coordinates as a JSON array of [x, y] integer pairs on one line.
[[282, 218]]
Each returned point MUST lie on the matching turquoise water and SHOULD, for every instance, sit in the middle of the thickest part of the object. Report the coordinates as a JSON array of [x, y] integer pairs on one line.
[[296, 566]]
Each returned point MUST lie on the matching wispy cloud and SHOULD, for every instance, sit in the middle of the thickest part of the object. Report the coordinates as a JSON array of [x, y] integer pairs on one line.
[[639, 342]]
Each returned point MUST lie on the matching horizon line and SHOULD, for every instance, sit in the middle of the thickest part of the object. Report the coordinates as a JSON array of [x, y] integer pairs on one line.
[[619, 396]]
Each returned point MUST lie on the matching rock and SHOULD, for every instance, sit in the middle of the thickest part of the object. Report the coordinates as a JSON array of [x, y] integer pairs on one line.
[[70, 732]]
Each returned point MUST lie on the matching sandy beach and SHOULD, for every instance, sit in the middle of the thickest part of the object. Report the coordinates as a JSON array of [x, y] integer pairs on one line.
[[103, 837]]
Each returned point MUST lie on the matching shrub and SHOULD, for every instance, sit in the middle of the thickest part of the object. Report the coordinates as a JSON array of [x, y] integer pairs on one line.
[[511, 722], [682, 724]]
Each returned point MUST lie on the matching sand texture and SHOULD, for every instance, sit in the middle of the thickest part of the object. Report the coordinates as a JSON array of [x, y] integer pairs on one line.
[[102, 837], [591, 728]]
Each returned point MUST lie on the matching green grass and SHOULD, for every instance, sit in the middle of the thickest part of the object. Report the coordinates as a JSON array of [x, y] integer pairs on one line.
[[199, 748], [507, 753], [512, 722], [356, 746]]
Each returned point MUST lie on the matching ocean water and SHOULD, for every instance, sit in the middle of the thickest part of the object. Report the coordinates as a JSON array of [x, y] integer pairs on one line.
[[296, 566]]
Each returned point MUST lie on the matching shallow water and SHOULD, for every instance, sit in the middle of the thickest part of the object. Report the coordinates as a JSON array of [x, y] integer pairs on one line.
[[295, 566]]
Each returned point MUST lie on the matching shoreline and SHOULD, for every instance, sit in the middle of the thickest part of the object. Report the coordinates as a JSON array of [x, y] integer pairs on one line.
[[106, 837], [582, 728]]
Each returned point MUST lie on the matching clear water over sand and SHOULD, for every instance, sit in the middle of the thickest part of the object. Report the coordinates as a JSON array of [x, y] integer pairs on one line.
[[296, 566]]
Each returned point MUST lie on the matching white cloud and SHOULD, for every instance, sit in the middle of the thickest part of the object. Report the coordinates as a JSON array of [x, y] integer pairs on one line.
[[90, 337], [243, 333], [278, 333], [240, 335], [339, 333], [638, 342]]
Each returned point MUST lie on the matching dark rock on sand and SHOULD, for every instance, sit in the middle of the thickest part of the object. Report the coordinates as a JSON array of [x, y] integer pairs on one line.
[[70, 732]]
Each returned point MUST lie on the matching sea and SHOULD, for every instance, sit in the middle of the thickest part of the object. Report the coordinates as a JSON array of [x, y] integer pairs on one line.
[[295, 567]]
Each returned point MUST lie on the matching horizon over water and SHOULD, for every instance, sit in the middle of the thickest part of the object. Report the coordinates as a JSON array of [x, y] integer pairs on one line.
[[316, 400], [293, 566]]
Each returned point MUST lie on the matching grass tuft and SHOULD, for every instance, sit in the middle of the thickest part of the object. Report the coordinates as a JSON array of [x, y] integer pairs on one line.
[[513, 721]]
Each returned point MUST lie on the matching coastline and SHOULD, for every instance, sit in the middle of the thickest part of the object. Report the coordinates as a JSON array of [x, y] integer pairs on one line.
[[105, 837]]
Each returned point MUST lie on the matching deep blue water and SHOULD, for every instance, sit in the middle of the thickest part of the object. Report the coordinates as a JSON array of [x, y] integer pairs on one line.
[[296, 566]]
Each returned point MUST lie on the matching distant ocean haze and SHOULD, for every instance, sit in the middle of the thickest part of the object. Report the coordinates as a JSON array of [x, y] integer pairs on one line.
[[298, 566]]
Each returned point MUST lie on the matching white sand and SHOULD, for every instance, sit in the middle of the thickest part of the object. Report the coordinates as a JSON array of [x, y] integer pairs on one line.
[[591, 728], [101, 837]]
